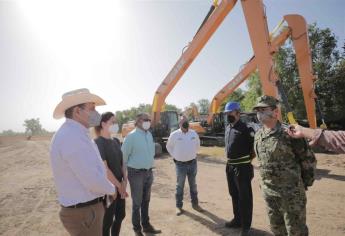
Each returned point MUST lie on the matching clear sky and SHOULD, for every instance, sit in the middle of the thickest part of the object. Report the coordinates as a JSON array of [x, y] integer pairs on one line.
[[122, 50]]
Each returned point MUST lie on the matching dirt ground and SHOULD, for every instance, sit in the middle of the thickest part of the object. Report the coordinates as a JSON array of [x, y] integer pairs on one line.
[[28, 204]]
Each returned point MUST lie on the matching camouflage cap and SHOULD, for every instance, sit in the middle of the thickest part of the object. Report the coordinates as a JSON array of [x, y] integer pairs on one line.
[[266, 101]]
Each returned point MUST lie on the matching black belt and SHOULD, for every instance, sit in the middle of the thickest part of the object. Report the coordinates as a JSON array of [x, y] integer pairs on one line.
[[184, 162], [144, 170], [84, 204]]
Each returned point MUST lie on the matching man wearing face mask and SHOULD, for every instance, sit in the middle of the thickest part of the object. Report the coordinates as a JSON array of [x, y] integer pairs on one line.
[[183, 145], [286, 167], [138, 151], [79, 174], [239, 139]]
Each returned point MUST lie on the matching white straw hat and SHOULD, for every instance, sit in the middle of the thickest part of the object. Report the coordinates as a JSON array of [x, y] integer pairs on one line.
[[74, 98]]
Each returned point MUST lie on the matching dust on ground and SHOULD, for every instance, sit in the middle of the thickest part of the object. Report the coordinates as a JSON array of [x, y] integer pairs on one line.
[[28, 204]]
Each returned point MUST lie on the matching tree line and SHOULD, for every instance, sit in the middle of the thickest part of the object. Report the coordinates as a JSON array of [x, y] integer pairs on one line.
[[328, 58]]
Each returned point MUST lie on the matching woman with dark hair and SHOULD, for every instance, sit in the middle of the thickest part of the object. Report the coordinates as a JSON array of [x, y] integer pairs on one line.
[[110, 150]]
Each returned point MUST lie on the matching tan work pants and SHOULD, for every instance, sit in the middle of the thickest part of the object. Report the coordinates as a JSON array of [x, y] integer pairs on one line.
[[85, 221]]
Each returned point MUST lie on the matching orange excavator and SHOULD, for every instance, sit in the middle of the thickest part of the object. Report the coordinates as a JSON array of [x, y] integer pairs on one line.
[[163, 122], [297, 31]]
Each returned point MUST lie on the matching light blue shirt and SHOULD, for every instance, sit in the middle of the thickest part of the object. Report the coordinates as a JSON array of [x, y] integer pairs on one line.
[[138, 149]]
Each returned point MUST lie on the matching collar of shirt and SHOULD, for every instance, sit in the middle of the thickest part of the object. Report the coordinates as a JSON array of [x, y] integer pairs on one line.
[[269, 132], [238, 123], [188, 132], [138, 130], [77, 125]]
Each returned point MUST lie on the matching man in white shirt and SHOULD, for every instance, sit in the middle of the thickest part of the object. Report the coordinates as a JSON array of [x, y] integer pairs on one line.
[[79, 173], [183, 145]]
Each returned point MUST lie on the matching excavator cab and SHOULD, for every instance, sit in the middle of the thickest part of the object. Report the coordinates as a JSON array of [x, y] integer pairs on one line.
[[169, 122]]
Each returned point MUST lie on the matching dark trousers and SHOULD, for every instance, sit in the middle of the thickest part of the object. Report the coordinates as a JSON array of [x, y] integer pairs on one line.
[[239, 183], [113, 217], [140, 182]]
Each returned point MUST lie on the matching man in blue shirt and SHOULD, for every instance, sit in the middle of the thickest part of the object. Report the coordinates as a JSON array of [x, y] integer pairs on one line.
[[138, 153]]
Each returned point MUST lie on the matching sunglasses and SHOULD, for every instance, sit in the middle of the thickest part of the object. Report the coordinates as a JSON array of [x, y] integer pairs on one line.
[[146, 119]]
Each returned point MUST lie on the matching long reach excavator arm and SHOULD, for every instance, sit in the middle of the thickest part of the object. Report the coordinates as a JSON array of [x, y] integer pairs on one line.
[[297, 30], [204, 33]]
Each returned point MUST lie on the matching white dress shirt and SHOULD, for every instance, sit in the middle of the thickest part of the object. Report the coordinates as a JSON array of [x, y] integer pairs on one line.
[[183, 146], [78, 170]]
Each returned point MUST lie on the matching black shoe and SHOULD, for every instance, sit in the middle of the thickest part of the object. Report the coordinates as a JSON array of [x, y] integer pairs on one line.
[[233, 224], [197, 208], [138, 233], [151, 230], [245, 232], [179, 211]]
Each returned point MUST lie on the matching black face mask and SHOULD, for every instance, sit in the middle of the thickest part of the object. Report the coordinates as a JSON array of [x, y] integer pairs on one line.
[[185, 125], [231, 119]]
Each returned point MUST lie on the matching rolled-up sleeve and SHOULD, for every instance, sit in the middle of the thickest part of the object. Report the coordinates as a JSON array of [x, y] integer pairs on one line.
[[330, 140], [87, 165]]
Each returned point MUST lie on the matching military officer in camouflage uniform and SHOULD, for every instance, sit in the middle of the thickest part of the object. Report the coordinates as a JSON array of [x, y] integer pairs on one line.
[[286, 167]]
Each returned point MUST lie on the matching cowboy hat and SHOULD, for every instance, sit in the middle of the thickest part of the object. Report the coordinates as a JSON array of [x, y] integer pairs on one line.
[[74, 98]]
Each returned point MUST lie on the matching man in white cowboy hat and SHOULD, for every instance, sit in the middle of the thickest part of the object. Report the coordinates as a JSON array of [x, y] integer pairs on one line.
[[79, 173]]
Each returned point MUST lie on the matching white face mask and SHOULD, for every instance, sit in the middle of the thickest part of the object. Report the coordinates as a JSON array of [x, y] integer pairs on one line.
[[114, 129], [146, 125], [264, 116]]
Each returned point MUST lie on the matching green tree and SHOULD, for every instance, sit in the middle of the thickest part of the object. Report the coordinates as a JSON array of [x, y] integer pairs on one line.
[[328, 65], [8, 133], [171, 107], [130, 114], [33, 126], [203, 106], [254, 91], [236, 96]]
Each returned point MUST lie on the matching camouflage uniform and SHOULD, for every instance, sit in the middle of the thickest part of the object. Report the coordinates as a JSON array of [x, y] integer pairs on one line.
[[286, 167]]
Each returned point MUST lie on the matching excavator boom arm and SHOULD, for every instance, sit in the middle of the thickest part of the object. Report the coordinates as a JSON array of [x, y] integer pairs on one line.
[[298, 32], [304, 62], [188, 56], [245, 72]]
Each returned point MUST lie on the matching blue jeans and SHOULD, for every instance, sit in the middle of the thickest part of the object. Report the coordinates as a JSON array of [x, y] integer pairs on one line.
[[184, 170], [140, 182]]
